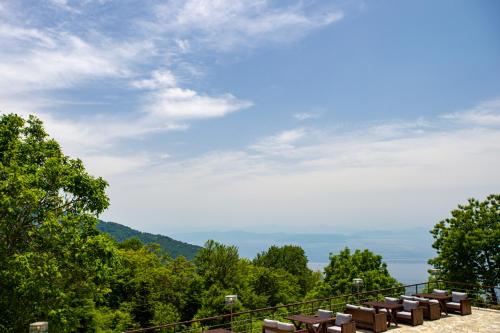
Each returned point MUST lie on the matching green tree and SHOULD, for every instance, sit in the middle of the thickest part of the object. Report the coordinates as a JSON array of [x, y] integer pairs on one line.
[[54, 264], [468, 244], [345, 266], [218, 264], [290, 258]]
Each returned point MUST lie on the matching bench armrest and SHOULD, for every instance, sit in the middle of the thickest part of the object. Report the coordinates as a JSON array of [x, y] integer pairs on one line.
[[349, 327], [465, 307], [380, 322], [417, 316]]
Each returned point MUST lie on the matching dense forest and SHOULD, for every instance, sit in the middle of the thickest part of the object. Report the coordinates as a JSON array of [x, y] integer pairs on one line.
[[57, 266], [174, 247]]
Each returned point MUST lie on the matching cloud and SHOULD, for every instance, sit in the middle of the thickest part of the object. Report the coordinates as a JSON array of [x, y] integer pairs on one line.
[[38, 61], [159, 79], [317, 177], [224, 25], [305, 115], [485, 114], [279, 144], [178, 103], [169, 101]]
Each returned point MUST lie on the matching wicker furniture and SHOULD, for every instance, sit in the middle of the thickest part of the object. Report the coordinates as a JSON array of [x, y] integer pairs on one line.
[[431, 307], [441, 298], [387, 307], [343, 324], [274, 326], [310, 322], [459, 303], [412, 313], [367, 318]]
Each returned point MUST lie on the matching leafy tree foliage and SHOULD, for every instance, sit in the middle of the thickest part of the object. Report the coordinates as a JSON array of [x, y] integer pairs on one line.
[[345, 266], [54, 263], [289, 258], [468, 244]]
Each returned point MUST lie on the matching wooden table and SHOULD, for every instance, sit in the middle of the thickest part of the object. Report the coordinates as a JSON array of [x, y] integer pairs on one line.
[[217, 330], [300, 319], [392, 309], [439, 297]]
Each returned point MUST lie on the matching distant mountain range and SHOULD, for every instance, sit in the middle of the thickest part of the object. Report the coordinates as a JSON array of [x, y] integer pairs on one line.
[[174, 247]]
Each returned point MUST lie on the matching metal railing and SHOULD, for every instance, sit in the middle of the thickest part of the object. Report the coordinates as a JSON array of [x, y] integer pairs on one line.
[[250, 321]]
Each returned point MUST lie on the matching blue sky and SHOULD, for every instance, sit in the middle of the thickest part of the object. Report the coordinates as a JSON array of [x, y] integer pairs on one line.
[[268, 115]]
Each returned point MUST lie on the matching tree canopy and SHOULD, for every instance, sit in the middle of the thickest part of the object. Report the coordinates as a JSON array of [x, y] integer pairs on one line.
[[468, 244], [290, 258], [345, 266], [55, 264]]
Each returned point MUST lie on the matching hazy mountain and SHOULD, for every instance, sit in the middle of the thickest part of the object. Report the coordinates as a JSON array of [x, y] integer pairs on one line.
[[174, 247]]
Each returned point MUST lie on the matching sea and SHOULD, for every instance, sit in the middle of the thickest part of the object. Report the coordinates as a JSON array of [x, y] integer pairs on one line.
[[406, 271], [404, 251]]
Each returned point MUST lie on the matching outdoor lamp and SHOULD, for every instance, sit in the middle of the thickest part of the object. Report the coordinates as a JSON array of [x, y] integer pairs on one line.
[[357, 282], [39, 327], [231, 299]]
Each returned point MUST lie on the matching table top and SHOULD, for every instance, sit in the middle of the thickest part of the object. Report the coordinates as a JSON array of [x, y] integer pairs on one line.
[[309, 319], [384, 305], [434, 296], [217, 330]]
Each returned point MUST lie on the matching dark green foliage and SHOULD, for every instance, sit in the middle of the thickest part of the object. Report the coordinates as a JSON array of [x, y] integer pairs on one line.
[[346, 266], [54, 263], [174, 247], [290, 258], [468, 244]]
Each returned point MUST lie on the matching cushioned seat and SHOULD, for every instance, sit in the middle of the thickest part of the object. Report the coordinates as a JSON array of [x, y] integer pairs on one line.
[[453, 305], [412, 313], [343, 324], [324, 313], [404, 314], [269, 325], [440, 292], [460, 303], [286, 327], [367, 318], [391, 300]]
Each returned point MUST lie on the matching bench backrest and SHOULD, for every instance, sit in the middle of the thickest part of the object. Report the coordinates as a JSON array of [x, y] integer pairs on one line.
[[360, 313]]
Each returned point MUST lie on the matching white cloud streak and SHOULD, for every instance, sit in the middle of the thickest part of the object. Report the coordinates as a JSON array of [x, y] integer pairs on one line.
[[225, 25], [303, 176], [485, 114]]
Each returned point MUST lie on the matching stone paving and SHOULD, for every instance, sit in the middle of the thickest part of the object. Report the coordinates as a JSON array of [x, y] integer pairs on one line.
[[480, 321]]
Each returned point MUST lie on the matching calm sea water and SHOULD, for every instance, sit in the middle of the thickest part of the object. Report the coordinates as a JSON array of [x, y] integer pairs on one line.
[[405, 271]]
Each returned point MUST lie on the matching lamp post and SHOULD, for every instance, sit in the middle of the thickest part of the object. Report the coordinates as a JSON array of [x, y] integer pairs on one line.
[[231, 300], [357, 282], [39, 327]]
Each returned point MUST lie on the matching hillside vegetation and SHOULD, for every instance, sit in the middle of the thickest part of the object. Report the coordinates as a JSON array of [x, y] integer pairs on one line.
[[173, 247]]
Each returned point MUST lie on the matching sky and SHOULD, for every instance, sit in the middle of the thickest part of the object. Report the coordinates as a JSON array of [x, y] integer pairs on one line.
[[260, 115]]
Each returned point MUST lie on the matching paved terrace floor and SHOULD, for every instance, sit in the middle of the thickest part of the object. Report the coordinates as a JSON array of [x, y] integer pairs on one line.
[[480, 321]]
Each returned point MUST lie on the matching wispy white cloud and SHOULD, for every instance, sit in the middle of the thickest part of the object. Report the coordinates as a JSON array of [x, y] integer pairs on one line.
[[330, 177], [178, 103], [281, 143], [224, 25], [305, 115], [485, 114], [40, 61]]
